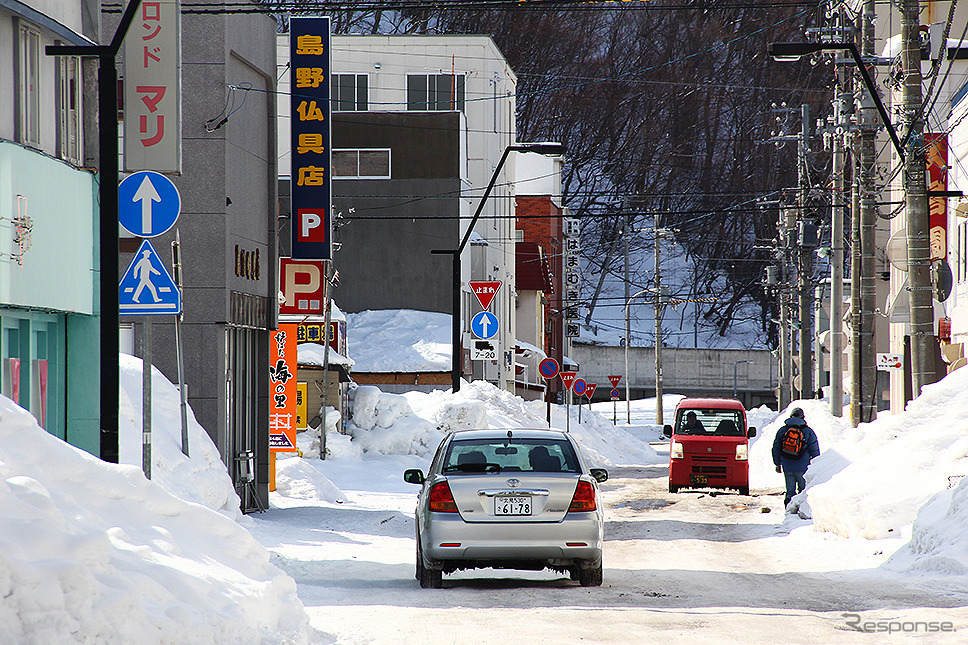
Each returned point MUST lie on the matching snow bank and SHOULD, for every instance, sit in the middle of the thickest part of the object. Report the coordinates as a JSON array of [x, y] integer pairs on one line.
[[877, 477], [384, 423], [201, 477], [415, 422], [938, 543], [399, 340], [94, 552]]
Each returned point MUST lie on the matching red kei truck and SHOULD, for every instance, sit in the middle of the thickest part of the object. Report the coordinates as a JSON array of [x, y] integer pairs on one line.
[[709, 445]]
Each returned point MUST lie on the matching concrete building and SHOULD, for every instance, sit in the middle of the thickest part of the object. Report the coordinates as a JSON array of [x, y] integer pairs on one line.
[[419, 126], [228, 231], [49, 304]]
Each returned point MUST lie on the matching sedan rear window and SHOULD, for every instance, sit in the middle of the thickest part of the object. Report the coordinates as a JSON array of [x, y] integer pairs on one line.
[[511, 455]]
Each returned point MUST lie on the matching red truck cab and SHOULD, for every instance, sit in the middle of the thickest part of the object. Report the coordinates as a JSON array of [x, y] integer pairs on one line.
[[709, 445]]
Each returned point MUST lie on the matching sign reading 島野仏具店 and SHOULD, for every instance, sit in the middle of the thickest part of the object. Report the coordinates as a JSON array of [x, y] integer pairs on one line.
[[310, 177], [282, 388], [152, 88]]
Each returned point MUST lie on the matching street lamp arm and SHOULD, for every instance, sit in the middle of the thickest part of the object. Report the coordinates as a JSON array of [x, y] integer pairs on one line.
[[793, 51]]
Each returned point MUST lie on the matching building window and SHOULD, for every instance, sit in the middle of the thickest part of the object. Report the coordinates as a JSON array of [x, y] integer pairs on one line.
[[28, 85], [349, 92], [68, 107], [435, 92], [361, 164]]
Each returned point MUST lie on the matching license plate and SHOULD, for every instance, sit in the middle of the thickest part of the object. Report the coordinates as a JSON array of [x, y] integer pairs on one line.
[[698, 479], [512, 505]]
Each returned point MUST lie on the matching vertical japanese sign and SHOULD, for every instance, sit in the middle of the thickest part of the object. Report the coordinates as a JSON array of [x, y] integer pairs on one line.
[[152, 88], [309, 54], [936, 147], [282, 388]]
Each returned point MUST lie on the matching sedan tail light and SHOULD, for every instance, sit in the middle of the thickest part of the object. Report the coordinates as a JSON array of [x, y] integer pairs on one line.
[[584, 498], [441, 499]]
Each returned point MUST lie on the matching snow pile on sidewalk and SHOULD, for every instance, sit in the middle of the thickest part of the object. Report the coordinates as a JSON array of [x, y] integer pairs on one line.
[[94, 552], [414, 423], [201, 477], [874, 480], [899, 473]]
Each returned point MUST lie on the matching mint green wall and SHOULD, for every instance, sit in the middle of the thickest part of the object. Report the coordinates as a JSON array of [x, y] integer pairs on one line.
[[83, 379], [58, 269]]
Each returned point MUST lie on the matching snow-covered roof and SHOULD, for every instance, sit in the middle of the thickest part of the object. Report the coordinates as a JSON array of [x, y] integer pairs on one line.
[[313, 354]]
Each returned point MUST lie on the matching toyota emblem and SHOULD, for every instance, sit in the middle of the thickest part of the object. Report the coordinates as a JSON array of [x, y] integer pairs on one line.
[[513, 483]]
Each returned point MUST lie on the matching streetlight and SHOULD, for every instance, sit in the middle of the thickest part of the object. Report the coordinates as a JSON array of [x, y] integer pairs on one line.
[[788, 52], [628, 405], [542, 148], [735, 365]]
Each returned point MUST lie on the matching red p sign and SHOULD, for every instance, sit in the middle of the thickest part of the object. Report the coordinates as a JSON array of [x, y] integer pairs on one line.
[[310, 225], [302, 286]]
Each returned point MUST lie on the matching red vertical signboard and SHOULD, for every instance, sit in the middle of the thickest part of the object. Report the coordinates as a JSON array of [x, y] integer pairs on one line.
[[936, 149], [282, 388]]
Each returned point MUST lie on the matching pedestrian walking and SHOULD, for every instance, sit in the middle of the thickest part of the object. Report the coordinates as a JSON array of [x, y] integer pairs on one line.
[[793, 448]]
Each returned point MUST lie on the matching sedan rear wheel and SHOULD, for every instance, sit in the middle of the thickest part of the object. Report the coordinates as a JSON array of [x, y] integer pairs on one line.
[[429, 578], [590, 577]]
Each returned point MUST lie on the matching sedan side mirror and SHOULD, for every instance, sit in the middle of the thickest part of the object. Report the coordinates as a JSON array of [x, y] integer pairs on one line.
[[600, 474], [667, 430], [751, 432], [413, 476]]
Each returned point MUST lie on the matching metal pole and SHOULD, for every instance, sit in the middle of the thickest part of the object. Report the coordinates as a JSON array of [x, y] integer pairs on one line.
[[327, 321], [865, 410], [805, 263], [628, 333], [108, 223], [837, 264], [146, 396], [923, 343], [182, 387], [786, 358], [658, 334]]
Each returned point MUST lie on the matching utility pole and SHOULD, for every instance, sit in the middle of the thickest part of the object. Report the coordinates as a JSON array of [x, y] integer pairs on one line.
[[916, 205], [628, 336], [658, 330], [786, 354], [842, 101], [805, 259], [863, 289]]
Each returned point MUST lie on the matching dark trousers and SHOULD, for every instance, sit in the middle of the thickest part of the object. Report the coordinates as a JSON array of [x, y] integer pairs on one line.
[[795, 483]]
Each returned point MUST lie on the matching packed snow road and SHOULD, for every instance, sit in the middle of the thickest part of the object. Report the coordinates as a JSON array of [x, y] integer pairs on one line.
[[691, 567]]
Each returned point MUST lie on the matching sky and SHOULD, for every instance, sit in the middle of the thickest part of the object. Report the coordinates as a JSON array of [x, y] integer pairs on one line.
[[92, 552]]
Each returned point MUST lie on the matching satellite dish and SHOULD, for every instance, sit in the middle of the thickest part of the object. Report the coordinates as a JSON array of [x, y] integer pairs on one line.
[[897, 250], [942, 278]]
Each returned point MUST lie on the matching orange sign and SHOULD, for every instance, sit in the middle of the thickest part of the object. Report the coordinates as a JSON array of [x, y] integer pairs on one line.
[[282, 388]]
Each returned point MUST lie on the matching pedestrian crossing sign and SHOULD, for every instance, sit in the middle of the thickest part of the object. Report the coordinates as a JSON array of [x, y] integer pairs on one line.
[[146, 287]]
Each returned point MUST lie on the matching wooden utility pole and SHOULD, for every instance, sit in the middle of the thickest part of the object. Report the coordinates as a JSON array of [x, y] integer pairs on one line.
[[805, 260]]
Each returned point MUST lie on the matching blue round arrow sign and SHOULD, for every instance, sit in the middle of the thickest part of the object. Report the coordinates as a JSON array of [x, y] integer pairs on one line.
[[579, 387], [548, 368], [484, 325], [148, 204]]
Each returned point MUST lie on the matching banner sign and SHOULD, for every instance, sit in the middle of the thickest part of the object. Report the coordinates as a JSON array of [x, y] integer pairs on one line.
[[282, 388], [936, 149], [152, 88], [311, 175]]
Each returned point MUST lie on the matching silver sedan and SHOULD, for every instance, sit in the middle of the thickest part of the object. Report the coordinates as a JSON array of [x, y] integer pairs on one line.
[[509, 499]]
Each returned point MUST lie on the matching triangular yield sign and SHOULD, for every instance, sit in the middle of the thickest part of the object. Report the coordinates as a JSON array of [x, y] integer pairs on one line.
[[568, 378], [615, 378], [485, 291], [590, 390]]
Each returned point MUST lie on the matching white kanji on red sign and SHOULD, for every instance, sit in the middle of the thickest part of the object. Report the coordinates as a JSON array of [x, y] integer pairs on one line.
[[615, 378], [590, 390], [568, 378], [485, 291]]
